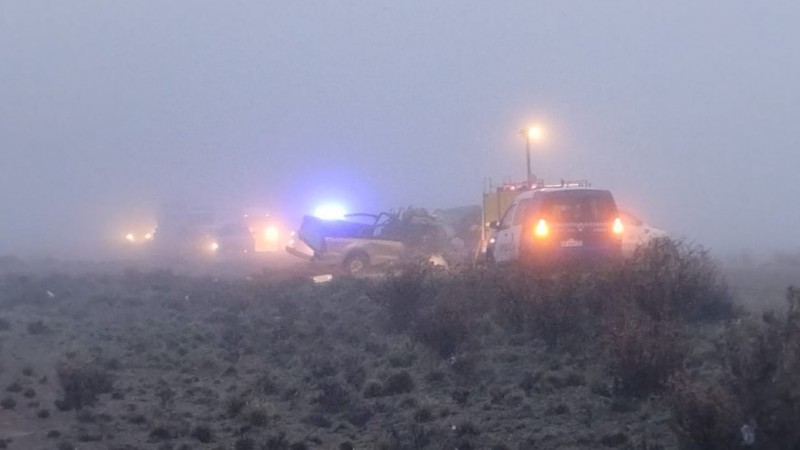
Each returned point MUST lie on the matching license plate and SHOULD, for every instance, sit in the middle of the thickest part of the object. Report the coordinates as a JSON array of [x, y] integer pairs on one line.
[[572, 243]]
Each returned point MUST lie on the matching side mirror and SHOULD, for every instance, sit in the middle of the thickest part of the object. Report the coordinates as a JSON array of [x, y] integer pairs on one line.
[[494, 225]]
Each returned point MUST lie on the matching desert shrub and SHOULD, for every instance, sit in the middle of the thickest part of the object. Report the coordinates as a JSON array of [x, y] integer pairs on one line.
[[446, 325], [457, 311], [21, 290], [266, 384], [82, 382], [706, 415], [372, 389], [203, 433], [244, 444], [317, 420], [332, 396], [8, 403], [764, 360], [235, 404], [401, 359], [276, 442], [557, 306], [353, 371], [643, 353], [674, 279], [358, 414], [415, 436], [399, 382], [464, 366], [757, 393], [403, 293]]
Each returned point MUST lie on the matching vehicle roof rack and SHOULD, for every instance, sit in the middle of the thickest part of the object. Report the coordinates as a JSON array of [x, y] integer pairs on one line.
[[564, 183], [540, 184]]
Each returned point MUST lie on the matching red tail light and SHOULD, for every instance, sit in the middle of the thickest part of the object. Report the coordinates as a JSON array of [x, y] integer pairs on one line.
[[541, 229], [618, 228]]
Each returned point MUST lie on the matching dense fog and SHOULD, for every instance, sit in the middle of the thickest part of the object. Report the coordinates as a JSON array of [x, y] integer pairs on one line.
[[110, 110]]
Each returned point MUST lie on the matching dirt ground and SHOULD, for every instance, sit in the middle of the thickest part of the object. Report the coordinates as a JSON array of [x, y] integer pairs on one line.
[[125, 355]]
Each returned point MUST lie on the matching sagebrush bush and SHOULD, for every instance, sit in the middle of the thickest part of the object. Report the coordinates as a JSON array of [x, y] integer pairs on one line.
[[403, 293], [457, 315], [446, 325], [82, 382], [764, 362], [759, 388], [560, 307], [674, 279], [706, 415], [643, 353]]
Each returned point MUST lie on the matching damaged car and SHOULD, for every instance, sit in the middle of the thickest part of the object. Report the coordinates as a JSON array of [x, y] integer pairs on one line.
[[359, 242]]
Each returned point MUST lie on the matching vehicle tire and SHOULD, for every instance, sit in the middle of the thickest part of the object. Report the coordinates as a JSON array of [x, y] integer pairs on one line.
[[356, 263]]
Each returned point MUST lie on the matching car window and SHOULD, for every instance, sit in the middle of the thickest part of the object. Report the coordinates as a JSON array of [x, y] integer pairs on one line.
[[526, 208], [505, 222], [366, 219], [579, 206]]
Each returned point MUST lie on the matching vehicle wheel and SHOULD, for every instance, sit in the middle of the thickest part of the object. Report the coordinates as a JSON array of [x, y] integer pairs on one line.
[[356, 263]]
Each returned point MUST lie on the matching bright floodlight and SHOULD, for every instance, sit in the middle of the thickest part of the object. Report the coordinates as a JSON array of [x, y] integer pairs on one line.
[[535, 132], [329, 212]]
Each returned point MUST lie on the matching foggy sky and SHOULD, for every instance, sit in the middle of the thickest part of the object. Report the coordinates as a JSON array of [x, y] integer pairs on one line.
[[685, 109]]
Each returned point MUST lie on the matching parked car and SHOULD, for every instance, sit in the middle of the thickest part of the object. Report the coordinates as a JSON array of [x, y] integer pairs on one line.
[[556, 223]]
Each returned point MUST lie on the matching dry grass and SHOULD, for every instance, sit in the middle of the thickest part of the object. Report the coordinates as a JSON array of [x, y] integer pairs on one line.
[[472, 358]]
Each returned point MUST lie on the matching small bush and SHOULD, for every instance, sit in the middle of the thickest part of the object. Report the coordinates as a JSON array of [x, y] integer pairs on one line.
[[372, 389], [403, 293], [332, 396], [203, 434], [244, 444], [257, 412], [446, 326], [764, 363], [674, 279], [398, 383], [234, 405], [317, 420], [644, 353], [81, 382], [8, 403], [558, 306], [758, 392], [706, 414], [38, 327]]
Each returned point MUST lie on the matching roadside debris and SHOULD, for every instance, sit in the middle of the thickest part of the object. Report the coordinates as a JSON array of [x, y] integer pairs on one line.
[[322, 278]]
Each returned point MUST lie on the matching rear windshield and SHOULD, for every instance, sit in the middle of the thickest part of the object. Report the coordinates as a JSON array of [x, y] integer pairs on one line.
[[578, 206]]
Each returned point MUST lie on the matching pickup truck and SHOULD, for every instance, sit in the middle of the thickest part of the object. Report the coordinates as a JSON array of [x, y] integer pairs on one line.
[[361, 241]]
